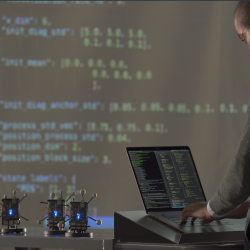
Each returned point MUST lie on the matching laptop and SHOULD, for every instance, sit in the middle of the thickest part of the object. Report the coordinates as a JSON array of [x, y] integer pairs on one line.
[[168, 181]]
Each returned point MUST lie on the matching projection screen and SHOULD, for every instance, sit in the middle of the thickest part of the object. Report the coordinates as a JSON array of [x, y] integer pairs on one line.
[[82, 80]]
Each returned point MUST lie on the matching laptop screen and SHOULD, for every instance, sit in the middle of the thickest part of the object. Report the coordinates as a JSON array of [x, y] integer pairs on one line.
[[167, 177]]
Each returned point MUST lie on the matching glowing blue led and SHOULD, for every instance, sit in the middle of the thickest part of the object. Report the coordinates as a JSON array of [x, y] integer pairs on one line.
[[55, 213], [10, 212], [78, 216]]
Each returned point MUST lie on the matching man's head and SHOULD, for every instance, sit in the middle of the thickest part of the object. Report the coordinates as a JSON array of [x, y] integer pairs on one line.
[[242, 21]]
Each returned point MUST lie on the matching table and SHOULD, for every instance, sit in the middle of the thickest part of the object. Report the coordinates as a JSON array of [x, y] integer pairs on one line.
[[157, 246], [103, 240], [34, 238]]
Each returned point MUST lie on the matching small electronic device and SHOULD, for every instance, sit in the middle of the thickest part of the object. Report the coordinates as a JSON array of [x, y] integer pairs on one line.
[[55, 214], [57, 217], [78, 217], [10, 213]]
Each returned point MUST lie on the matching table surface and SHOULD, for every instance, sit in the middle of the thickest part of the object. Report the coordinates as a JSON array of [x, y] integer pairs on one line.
[[34, 238], [158, 246], [103, 239]]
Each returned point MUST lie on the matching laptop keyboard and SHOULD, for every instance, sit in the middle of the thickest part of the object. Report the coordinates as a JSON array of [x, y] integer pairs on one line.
[[197, 222]]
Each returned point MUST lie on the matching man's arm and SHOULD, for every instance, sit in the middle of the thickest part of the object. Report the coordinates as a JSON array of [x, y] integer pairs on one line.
[[199, 210], [238, 213], [234, 189]]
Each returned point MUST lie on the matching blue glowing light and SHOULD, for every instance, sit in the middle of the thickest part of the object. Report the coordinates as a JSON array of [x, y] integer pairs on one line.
[[55, 213], [10, 212], [78, 216]]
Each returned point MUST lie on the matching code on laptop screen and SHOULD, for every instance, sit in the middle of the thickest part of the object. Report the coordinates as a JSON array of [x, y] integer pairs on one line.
[[166, 178]]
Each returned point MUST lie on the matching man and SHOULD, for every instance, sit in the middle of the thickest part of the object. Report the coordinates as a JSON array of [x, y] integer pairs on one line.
[[230, 199]]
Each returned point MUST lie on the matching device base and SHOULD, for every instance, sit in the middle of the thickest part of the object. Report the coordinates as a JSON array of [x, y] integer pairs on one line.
[[54, 232], [73, 234], [13, 230]]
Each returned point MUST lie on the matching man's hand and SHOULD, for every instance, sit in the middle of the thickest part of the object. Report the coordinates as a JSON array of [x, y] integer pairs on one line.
[[197, 210]]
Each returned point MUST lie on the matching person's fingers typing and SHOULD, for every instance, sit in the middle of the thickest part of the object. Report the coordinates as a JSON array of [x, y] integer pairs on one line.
[[194, 219]]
